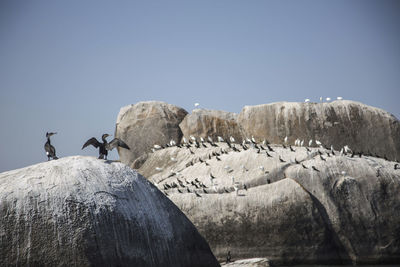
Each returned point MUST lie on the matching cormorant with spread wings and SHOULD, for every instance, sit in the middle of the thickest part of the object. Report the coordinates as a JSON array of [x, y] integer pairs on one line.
[[105, 146]]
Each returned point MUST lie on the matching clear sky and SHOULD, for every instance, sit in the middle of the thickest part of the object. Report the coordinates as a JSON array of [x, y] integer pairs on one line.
[[69, 66]]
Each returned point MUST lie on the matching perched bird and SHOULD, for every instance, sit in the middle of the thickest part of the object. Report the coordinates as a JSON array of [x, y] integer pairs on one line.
[[285, 140], [232, 139], [328, 99], [220, 139], [347, 149], [310, 143], [105, 146], [50, 150], [306, 100], [339, 98], [196, 105], [228, 257], [157, 147], [315, 169]]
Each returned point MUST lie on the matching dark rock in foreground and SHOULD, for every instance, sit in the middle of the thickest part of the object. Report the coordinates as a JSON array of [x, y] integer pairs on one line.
[[80, 211]]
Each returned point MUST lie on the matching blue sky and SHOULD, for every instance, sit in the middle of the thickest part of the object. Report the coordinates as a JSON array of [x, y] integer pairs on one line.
[[69, 66]]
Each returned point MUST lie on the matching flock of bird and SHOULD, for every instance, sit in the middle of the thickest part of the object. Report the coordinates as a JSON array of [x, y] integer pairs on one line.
[[103, 147], [321, 99], [181, 184]]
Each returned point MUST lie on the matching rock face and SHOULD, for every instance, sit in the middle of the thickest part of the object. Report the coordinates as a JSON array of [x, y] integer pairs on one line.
[[338, 123], [213, 123], [255, 262], [145, 124], [86, 212], [299, 207]]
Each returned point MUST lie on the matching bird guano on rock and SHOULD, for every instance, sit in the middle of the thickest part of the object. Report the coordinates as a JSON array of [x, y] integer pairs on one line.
[[105, 146]]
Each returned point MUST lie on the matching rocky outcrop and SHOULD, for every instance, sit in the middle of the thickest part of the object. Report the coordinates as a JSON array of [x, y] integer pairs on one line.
[[82, 211], [255, 262], [145, 124], [304, 206], [213, 123], [338, 123]]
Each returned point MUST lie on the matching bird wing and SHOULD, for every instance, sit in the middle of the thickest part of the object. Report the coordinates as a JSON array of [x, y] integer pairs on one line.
[[115, 143], [92, 141]]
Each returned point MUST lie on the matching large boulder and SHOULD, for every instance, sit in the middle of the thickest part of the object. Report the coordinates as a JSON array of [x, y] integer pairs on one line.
[[213, 123], [83, 211], [145, 124], [338, 123], [299, 206]]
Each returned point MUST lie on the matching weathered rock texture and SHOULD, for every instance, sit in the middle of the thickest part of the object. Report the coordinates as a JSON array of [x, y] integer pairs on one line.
[[80, 211], [213, 123], [255, 262], [145, 124], [338, 123], [346, 210]]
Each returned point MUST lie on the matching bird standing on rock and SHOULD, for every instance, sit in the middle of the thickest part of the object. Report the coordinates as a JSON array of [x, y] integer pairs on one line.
[[50, 150], [105, 146]]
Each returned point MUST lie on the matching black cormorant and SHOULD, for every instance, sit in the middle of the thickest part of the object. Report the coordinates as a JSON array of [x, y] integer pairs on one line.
[[105, 146], [50, 150]]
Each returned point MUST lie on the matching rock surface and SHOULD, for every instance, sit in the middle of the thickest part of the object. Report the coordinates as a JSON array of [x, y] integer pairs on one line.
[[213, 123], [338, 123], [255, 262], [145, 124], [346, 210], [82, 211]]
